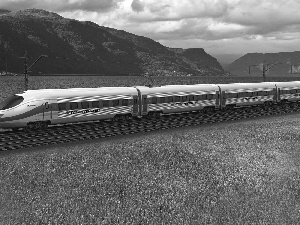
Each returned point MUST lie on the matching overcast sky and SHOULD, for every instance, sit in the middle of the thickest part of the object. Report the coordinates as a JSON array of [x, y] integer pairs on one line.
[[218, 26]]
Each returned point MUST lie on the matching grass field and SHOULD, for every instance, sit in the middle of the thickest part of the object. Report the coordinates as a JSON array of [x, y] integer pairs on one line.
[[241, 172]]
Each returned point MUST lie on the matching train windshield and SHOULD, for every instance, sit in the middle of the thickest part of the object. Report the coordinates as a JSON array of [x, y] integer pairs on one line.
[[11, 102]]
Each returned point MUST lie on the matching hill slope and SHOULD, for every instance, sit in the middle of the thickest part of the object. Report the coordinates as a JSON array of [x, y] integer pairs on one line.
[[287, 62], [84, 47]]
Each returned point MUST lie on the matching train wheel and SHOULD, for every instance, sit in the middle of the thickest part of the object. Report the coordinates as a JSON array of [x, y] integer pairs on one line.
[[266, 105], [28, 128], [157, 114], [118, 118], [225, 108], [44, 126]]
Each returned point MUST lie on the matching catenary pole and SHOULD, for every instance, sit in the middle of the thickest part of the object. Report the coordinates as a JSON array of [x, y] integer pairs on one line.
[[25, 71]]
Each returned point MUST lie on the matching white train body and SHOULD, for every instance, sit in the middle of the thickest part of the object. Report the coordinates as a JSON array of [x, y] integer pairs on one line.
[[179, 98], [244, 94], [57, 106]]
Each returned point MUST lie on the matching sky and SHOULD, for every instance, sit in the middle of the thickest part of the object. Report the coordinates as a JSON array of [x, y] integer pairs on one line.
[[218, 26]]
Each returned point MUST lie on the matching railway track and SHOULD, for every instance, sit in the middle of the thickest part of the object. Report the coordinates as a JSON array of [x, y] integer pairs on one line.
[[94, 130]]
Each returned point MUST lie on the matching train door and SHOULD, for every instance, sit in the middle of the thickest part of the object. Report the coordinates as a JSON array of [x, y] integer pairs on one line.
[[144, 108], [49, 109], [218, 99], [135, 107], [275, 95], [223, 99], [278, 95]]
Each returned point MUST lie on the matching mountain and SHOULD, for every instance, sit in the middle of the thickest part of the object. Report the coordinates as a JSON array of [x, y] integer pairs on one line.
[[280, 64], [76, 47], [226, 59]]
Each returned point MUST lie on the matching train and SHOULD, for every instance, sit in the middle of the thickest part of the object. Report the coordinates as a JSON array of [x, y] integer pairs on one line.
[[37, 109]]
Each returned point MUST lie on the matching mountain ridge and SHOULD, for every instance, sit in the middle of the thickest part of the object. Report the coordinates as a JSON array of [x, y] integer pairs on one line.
[[84, 47], [280, 64]]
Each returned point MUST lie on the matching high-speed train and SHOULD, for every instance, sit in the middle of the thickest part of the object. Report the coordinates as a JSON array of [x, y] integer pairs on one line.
[[36, 109]]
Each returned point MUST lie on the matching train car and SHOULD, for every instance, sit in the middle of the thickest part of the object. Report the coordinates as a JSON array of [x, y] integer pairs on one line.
[[36, 109], [178, 98], [247, 94], [287, 91]]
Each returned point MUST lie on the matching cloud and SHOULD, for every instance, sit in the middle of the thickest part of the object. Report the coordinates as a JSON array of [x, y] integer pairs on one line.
[[187, 23], [60, 5], [137, 6]]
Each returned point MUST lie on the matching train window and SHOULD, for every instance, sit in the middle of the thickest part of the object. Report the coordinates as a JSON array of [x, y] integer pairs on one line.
[[95, 104], [210, 96], [191, 98], [203, 97], [285, 92], [85, 105], [125, 102], [11, 102], [62, 106], [162, 100], [293, 91], [115, 102], [105, 103], [234, 95], [176, 98], [73, 105], [184, 98], [154, 100], [170, 99]]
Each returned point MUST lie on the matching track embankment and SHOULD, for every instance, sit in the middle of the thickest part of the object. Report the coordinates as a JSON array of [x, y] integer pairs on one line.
[[94, 130]]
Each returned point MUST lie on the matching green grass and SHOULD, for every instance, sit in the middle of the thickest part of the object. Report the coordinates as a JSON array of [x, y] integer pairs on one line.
[[242, 172]]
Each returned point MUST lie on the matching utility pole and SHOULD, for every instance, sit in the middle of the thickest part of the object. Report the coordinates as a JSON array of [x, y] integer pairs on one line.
[[25, 71], [26, 68], [265, 68]]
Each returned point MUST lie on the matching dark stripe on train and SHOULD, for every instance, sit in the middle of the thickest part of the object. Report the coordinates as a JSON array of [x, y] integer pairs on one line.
[[32, 112]]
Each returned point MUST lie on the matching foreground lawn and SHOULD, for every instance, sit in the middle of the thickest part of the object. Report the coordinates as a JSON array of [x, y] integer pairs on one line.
[[242, 172]]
